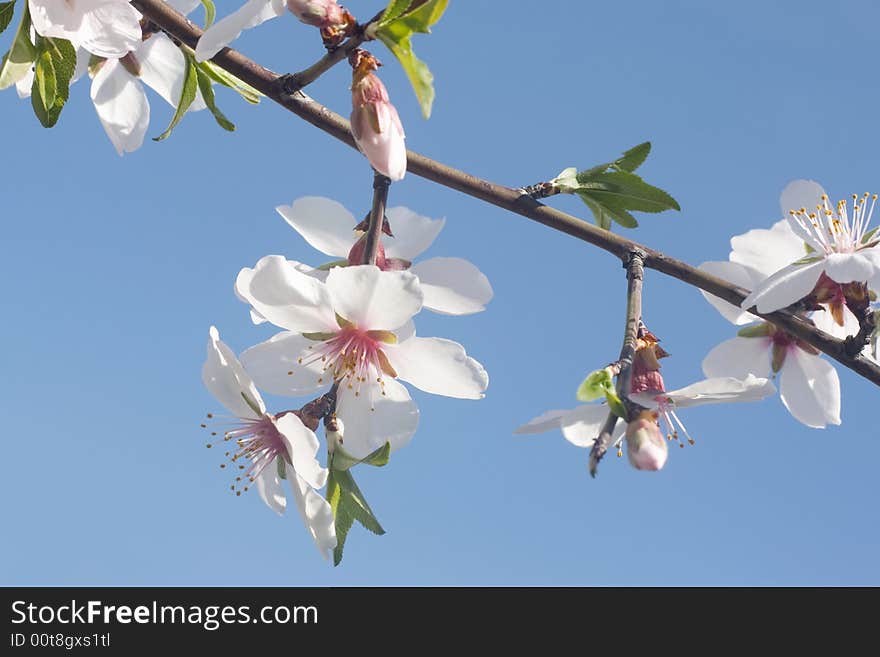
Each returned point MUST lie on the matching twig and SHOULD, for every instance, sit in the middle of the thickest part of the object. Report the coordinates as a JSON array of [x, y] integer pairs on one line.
[[635, 274], [377, 216], [513, 200], [296, 81]]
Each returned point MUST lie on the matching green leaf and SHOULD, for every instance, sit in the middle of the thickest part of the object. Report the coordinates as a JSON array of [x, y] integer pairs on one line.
[[187, 96], [348, 504], [6, 11], [867, 237], [220, 76], [18, 61], [595, 385], [44, 80], [210, 12], [396, 35], [55, 63], [629, 188], [761, 330], [281, 467], [633, 158], [342, 460], [394, 9], [208, 94]]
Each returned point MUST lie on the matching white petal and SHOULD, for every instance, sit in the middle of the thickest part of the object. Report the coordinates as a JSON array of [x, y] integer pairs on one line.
[[24, 85], [413, 233], [110, 29], [269, 363], [824, 321], [373, 299], [270, 489], [452, 286], [82, 64], [316, 513], [372, 419], [849, 267], [738, 358], [323, 223], [717, 390], [163, 68], [581, 426], [544, 422], [735, 273], [800, 194], [228, 28], [224, 376], [767, 251], [438, 366], [302, 445], [810, 389], [121, 105], [285, 296], [785, 287]]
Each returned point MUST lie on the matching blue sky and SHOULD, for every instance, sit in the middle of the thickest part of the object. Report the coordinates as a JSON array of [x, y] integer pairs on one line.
[[114, 268]]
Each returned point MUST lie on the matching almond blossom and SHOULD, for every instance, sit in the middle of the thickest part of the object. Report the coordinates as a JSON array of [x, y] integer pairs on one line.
[[268, 448], [354, 330], [106, 28], [842, 246], [582, 425], [451, 286]]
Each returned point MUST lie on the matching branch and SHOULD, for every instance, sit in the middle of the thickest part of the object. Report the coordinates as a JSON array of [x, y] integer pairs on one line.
[[377, 217], [513, 200], [295, 82], [635, 273]]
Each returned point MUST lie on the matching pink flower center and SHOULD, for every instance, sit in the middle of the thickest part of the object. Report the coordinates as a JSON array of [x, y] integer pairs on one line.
[[257, 444]]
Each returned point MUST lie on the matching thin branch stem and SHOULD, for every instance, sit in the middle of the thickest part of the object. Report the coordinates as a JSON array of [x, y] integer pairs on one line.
[[635, 274], [297, 81], [377, 217], [513, 200]]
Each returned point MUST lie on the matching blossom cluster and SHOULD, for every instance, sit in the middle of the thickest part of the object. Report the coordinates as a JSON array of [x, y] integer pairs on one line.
[[347, 344]]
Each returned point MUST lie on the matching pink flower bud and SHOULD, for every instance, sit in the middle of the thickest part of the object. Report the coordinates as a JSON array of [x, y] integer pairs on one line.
[[645, 446], [375, 124], [320, 13]]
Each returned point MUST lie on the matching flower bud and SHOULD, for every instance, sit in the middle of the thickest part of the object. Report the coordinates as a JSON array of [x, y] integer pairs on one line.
[[320, 13], [645, 447], [375, 125]]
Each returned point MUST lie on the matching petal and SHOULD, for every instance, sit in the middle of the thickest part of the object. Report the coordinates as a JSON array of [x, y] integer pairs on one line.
[[183, 6], [228, 28], [371, 419], [722, 390], [270, 489], [282, 294], [325, 224], [316, 513], [785, 287], [373, 299], [810, 389], [735, 273], [800, 194], [452, 286], [848, 268], [582, 425], [824, 321], [121, 105], [767, 251], [24, 85], [163, 68], [738, 358], [224, 376], [413, 233], [544, 422], [275, 367], [109, 29], [302, 445], [438, 366]]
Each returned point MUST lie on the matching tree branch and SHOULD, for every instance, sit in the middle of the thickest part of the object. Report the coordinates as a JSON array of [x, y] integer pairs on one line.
[[635, 274], [513, 200], [377, 217]]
